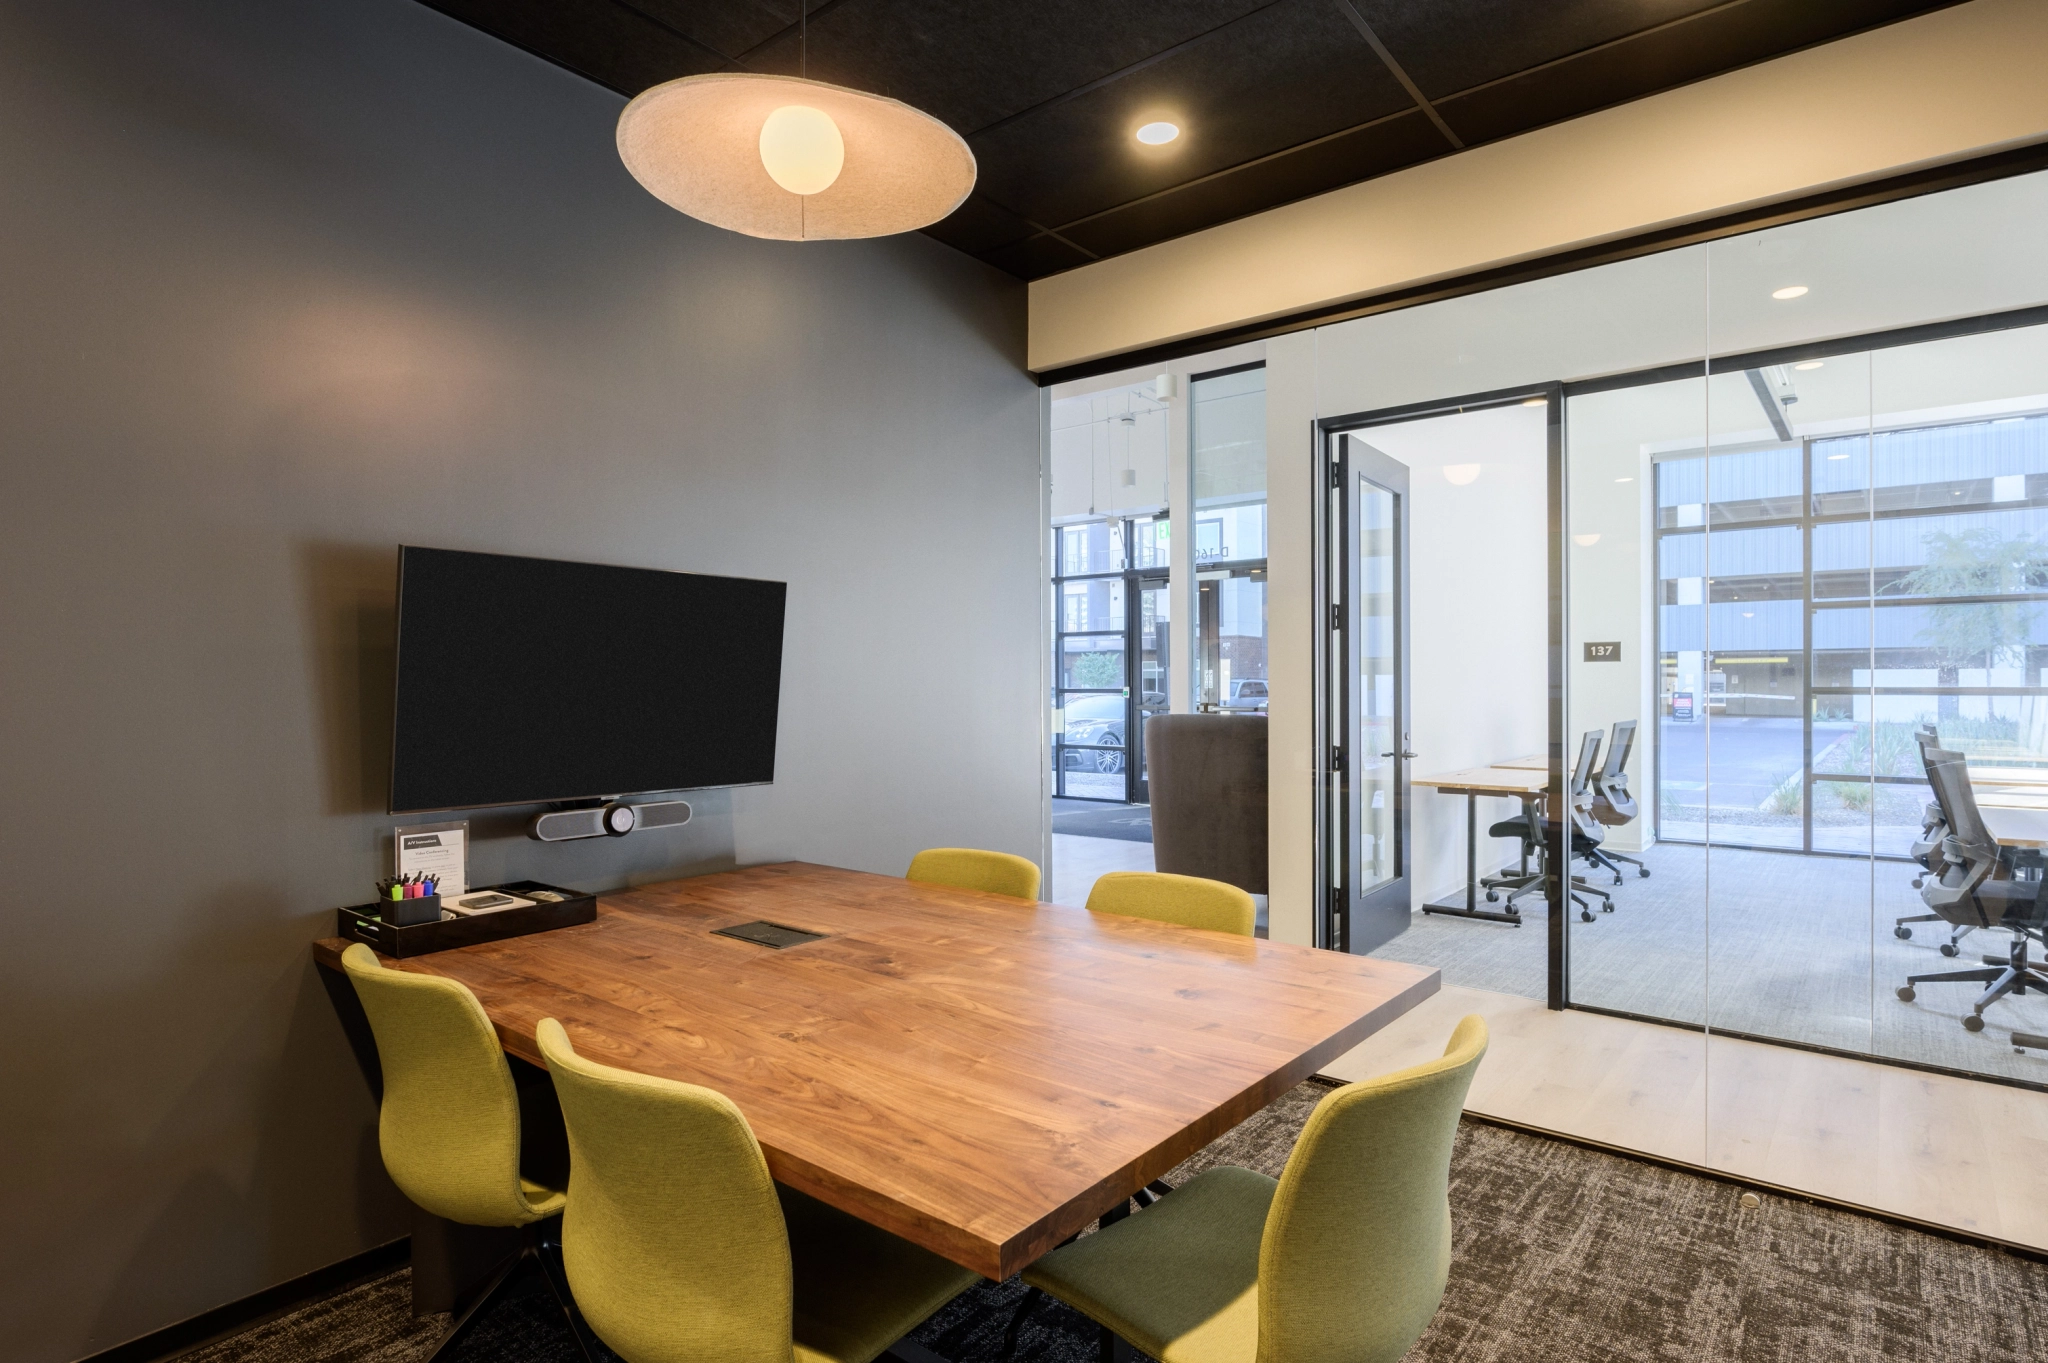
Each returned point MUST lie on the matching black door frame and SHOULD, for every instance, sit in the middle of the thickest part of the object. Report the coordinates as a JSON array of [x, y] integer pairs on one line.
[[1333, 853]]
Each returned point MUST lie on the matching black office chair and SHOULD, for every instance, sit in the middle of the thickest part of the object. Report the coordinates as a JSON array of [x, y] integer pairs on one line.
[[1982, 886], [1612, 805], [1926, 851], [1585, 839]]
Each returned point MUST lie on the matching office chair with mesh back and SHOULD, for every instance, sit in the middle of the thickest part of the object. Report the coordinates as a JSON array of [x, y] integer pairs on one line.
[[1926, 851], [1585, 837], [1982, 886], [1612, 804]]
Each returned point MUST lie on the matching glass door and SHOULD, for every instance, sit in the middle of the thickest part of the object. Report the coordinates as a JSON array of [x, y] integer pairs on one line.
[[1372, 761]]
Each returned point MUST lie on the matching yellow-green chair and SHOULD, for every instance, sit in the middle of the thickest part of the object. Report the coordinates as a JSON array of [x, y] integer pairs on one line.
[[966, 868], [1343, 1260], [1189, 901], [448, 1125], [682, 1249]]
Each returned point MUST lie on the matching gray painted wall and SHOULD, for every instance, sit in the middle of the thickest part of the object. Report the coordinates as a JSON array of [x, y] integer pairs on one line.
[[281, 287]]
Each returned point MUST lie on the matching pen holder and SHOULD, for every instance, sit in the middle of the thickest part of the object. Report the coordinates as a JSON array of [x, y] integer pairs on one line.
[[411, 912]]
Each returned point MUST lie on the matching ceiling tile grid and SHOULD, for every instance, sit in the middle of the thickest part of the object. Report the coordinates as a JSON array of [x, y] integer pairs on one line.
[[1277, 99]]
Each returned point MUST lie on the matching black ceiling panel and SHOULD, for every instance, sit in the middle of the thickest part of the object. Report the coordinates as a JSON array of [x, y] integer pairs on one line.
[[1287, 75], [974, 63], [1278, 99], [1036, 257], [980, 225], [1453, 45], [1351, 156], [732, 28], [1720, 40]]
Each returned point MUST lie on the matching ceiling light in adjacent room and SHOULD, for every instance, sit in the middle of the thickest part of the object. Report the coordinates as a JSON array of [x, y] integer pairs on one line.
[[1460, 474], [1535, 402], [792, 159], [1624, 480], [1789, 291], [1586, 541], [1833, 457], [1158, 134], [1805, 366]]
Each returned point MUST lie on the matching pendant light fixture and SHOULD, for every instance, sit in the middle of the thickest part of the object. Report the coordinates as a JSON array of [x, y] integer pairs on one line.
[[791, 158]]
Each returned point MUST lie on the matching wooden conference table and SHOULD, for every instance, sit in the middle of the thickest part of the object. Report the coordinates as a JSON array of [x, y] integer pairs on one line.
[[981, 1076]]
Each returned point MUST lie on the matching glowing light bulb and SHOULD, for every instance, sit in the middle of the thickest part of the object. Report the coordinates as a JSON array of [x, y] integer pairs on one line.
[[801, 149], [1789, 291], [1157, 134]]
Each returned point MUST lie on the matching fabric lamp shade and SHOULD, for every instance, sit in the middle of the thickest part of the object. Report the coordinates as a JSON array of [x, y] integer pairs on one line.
[[698, 144]]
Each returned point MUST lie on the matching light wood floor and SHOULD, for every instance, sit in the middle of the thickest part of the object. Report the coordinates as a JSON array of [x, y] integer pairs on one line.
[[1950, 1152], [1076, 862]]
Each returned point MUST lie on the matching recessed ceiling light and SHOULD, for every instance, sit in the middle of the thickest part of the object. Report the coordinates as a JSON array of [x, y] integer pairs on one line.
[[1789, 291], [1158, 134], [1535, 402], [1833, 457], [1586, 541], [1624, 480], [1809, 364], [1459, 475]]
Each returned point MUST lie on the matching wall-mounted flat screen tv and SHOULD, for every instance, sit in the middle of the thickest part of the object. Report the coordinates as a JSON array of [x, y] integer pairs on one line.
[[529, 681]]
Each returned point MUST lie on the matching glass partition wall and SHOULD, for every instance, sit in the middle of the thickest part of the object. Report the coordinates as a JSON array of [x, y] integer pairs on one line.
[[1802, 513], [1227, 466]]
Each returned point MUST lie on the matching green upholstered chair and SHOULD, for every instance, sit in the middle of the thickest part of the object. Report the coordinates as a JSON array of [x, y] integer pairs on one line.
[[968, 869], [448, 1124], [682, 1249], [1190, 901], [1343, 1260]]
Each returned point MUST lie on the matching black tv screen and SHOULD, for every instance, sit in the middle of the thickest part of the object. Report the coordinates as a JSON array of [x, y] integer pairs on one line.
[[526, 680]]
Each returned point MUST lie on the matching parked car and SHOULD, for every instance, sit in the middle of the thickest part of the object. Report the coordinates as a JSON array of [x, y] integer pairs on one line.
[[1095, 720], [1246, 693]]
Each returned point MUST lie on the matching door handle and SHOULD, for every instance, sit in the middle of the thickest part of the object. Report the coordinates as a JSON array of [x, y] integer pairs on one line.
[[1410, 755]]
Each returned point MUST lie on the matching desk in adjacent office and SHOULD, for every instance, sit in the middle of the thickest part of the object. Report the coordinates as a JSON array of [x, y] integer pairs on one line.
[[980, 1075], [1519, 783]]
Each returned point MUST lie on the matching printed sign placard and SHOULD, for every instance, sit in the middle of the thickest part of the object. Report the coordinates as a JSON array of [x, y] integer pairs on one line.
[[439, 850]]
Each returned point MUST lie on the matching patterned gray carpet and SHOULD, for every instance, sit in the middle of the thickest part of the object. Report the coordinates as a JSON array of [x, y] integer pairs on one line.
[[1562, 1255]]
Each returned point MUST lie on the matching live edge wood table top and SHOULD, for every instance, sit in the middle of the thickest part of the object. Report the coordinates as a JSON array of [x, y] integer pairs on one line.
[[979, 1075]]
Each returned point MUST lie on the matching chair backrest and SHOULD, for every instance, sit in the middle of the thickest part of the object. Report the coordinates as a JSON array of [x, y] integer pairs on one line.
[[448, 1125], [1582, 772], [1615, 805], [1950, 777], [1190, 901], [968, 868], [1207, 777], [673, 1238], [1357, 1246]]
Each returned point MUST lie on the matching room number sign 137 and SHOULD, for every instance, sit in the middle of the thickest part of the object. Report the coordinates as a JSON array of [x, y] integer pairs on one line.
[[1603, 653]]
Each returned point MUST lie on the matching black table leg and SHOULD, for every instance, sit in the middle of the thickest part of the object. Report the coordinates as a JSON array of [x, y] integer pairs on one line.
[[1470, 908]]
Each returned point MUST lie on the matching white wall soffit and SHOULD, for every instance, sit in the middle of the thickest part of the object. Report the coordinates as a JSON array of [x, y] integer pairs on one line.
[[1943, 87]]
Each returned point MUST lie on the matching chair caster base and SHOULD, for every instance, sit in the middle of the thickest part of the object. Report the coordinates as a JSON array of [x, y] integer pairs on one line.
[[1949, 949], [1585, 915], [1906, 994], [1903, 933], [1973, 1022], [1642, 873]]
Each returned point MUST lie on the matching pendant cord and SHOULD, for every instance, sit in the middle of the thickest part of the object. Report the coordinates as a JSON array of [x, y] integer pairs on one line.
[[803, 39]]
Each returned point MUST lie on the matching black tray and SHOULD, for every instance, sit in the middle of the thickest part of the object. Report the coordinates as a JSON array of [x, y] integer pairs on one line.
[[365, 922]]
